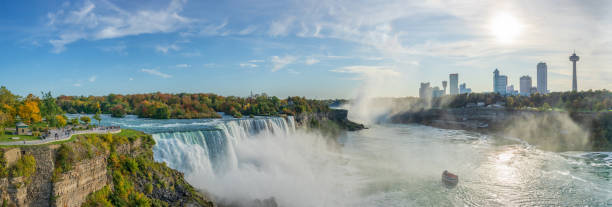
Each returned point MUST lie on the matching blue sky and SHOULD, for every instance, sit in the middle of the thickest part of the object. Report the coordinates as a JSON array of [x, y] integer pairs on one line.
[[318, 49]]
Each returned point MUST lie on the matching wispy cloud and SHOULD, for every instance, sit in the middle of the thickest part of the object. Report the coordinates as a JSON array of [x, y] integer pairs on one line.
[[280, 62], [215, 29], [155, 72], [311, 61], [76, 84], [93, 78], [281, 27], [183, 66], [250, 29], [105, 20], [256, 61], [248, 65], [367, 70], [166, 48]]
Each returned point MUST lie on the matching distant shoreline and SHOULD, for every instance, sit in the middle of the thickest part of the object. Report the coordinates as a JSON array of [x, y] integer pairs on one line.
[[551, 130]]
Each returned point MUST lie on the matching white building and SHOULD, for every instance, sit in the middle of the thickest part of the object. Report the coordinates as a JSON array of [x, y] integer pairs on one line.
[[500, 82], [542, 78], [525, 85], [510, 90], [425, 92]]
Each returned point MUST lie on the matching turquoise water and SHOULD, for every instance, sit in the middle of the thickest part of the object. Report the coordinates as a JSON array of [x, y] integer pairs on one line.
[[238, 160]]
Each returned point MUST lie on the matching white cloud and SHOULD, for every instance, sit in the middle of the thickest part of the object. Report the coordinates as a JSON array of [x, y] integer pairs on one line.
[[105, 20], [183, 66], [77, 85], [281, 27], [248, 65], [166, 48], [311, 61], [212, 29], [156, 73], [256, 61], [93, 78], [131, 79], [280, 62], [368, 70], [250, 29]]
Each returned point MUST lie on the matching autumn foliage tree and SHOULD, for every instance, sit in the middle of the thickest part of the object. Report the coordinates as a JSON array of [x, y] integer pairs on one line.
[[29, 112]]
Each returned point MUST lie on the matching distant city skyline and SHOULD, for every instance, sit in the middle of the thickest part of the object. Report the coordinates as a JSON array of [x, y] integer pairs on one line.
[[317, 49]]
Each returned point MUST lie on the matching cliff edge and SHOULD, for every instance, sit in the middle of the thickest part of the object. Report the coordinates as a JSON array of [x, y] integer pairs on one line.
[[93, 170]]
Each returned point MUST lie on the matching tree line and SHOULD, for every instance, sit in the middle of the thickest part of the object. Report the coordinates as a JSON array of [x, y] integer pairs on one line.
[[188, 106], [49, 111], [584, 101]]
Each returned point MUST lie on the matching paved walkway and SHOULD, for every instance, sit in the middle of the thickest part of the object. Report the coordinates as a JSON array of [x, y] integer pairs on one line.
[[64, 137]]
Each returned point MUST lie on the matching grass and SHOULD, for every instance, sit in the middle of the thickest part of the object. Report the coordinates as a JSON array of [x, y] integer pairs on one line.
[[129, 133], [7, 138], [124, 132]]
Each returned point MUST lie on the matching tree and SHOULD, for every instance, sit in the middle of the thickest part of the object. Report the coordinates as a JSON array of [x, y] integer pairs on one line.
[[74, 121], [4, 120], [29, 112], [85, 119], [98, 118], [118, 111], [48, 107], [61, 120]]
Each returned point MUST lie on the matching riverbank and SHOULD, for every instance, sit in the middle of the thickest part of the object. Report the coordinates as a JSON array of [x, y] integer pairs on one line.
[[553, 130]]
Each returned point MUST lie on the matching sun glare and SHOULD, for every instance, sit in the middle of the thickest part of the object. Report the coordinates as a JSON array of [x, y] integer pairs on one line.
[[505, 28]]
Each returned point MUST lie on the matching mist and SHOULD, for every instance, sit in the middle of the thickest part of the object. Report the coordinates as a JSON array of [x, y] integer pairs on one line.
[[548, 130]]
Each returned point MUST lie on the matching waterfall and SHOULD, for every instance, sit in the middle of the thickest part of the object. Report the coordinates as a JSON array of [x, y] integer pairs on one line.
[[212, 151]]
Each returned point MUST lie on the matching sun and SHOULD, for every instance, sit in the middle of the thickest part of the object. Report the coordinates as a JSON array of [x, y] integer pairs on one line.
[[505, 27]]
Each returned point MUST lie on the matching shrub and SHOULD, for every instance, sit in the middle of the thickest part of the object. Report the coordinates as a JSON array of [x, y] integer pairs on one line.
[[64, 159], [26, 166]]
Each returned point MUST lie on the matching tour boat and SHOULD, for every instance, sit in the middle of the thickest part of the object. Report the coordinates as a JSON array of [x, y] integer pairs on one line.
[[449, 179]]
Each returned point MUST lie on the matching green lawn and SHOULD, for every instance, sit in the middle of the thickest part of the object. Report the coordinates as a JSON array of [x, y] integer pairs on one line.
[[7, 138], [129, 133]]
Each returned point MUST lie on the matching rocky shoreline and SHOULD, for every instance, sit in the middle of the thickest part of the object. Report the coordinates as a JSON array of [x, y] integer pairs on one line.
[[554, 130]]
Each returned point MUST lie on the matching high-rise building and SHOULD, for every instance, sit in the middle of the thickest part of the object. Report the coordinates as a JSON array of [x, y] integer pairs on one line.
[[444, 83], [574, 58], [542, 78], [463, 89], [525, 87], [510, 90], [425, 92], [454, 83], [436, 92], [533, 90], [500, 82]]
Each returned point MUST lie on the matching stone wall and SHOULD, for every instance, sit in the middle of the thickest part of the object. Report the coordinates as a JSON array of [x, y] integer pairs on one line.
[[71, 188]]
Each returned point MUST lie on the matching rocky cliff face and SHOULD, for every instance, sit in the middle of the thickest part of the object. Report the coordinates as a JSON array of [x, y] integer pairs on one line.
[[338, 117], [48, 187], [71, 188]]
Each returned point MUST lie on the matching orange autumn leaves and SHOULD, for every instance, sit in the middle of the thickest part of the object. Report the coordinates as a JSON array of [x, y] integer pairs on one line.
[[29, 112]]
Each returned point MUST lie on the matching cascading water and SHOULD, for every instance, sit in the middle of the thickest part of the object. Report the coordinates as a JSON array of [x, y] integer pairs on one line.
[[210, 151]]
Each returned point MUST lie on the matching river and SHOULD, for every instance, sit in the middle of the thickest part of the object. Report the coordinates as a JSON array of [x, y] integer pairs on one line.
[[238, 160]]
